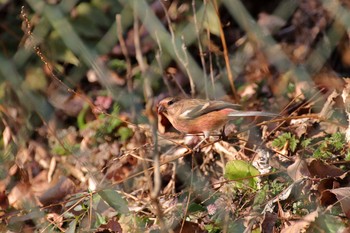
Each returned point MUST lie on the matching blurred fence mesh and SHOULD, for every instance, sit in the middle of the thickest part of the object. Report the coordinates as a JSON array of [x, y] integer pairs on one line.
[[79, 34]]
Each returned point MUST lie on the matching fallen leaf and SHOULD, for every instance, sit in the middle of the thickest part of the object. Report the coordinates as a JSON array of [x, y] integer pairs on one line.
[[111, 226], [6, 136], [298, 169], [189, 227], [342, 195], [20, 195], [301, 225], [242, 172], [320, 169], [270, 23], [58, 192], [269, 222]]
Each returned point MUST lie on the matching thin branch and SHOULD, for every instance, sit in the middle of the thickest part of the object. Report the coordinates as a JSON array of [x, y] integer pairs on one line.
[[201, 54], [183, 61], [227, 59]]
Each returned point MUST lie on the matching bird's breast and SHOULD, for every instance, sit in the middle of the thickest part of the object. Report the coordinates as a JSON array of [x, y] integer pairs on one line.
[[205, 123]]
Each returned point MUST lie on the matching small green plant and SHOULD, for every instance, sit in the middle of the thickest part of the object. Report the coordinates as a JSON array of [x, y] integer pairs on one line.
[[300, 208], [276, 187], [305, 143], [330, 146], [286, 138], [112, 126], [347, 156], [65, 143]]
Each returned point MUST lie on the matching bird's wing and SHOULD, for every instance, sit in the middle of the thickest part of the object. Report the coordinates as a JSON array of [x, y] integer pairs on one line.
[[205, 107], [252, 113]]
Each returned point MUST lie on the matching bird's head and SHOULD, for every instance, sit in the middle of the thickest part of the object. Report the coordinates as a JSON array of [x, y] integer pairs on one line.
[[166, 104]]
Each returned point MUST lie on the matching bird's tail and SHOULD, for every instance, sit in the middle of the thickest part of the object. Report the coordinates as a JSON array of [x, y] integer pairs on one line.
[[252, 113]]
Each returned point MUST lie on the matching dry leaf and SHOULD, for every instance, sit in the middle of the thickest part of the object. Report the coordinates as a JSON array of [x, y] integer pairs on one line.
[[342, 195], [298, 169], [270, 23], [189, 227], [320, 169], [58, 192], [301, 225]]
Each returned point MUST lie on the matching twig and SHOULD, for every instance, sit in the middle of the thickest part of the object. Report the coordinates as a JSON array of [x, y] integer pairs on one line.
[[211, 63], [124, 49], [189, 195], [227, 60], [201, 54], [160, 64], [184, 60], [148, 93]]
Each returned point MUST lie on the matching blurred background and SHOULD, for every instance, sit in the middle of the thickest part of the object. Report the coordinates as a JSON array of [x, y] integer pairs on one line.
[[80, 81]]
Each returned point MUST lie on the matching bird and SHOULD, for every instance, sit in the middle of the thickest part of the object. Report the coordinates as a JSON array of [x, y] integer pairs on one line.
[[196, 116]]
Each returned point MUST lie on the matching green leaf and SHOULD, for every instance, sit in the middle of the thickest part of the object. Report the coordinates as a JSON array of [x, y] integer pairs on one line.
[[117, 64], [347, 156], [293, 143], [72, 226], [114, 123], [35, 79], [194, 207], [210, 19], [81, 116], [286, 138], [305, 143], [59, 51], [337, 140], [114, 200], [330, 146], [124, 133], [328, 223], [99, 220], [242, 172]]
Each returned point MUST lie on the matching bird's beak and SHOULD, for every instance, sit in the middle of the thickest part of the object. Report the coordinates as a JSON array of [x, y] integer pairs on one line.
[[161, 109]]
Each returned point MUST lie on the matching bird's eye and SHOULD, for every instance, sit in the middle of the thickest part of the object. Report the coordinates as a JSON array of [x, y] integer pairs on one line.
[[170, 102]]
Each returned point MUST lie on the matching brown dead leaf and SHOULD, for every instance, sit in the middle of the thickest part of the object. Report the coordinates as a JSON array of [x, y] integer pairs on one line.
[[269, 222], [118, 171], [298, 169], [4, 202], [328, 81], [328, 183], [320, 169], [301, 225], [20, 194], [301, 126], [341, 195], [189, 227], [62, 99], [112, 226], [328, 107], [51, 170], [270, 23], [40, 183], [57, 219], [75, 171], [334, 182], [6, 135], [58, 192]]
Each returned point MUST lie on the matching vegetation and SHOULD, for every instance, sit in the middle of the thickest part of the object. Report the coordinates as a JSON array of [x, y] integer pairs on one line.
[[83, 148]]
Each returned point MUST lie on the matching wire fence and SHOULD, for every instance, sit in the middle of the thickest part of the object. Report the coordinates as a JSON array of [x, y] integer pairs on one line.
[[289, 46]]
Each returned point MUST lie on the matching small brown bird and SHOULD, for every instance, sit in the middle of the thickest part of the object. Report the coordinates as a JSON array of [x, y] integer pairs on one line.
[[195, 116]]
